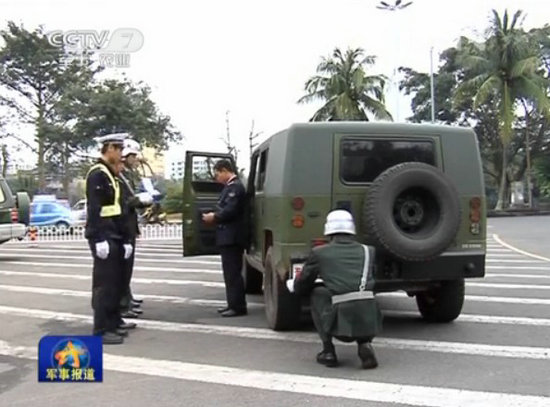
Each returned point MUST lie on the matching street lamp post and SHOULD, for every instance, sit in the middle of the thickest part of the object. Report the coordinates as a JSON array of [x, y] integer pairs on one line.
[[432, 93], [397, 5]]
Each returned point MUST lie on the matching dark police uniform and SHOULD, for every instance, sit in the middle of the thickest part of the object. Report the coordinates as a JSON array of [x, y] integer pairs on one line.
[[344, 306], [131, 203], [105, 222], [231, 239]]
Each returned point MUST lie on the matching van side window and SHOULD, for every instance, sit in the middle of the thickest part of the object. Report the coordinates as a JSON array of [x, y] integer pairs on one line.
[[261, 171], [363, 160]]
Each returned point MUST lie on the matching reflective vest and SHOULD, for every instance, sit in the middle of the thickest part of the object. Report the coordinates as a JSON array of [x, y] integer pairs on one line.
[[114, 209]]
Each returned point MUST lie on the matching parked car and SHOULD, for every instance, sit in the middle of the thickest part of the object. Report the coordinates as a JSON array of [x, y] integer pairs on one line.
[[14, 213], [50, 213], [78, 213]]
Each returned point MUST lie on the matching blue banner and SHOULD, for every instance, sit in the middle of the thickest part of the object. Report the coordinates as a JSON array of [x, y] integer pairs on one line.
[[75, 359]]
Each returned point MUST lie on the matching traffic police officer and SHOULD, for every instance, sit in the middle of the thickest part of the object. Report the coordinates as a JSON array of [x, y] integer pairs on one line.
[[129, 305], [108, 239], [230, 236], [343, 306]]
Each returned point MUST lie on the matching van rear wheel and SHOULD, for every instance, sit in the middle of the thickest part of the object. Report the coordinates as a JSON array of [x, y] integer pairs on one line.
[[442, 303], [282, 308]]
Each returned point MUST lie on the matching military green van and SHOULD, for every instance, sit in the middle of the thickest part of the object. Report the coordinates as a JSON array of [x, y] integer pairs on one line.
[[14, 213], [415, 191]]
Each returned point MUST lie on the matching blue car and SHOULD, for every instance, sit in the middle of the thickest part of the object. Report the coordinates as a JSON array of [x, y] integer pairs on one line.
[[50, 214]]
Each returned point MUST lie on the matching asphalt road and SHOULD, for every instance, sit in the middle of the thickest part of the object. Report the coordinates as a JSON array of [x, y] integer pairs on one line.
[[496, 354]]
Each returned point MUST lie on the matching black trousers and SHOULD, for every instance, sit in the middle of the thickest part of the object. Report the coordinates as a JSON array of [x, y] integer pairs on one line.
[[107, 283], [128, 269], [232, 261]]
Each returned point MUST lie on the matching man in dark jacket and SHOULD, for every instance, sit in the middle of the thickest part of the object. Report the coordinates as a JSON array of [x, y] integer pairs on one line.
[[107, 238], [230, 236], [130, 307], [343, 306]]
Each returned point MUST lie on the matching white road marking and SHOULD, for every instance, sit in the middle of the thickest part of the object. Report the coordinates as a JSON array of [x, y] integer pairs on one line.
[[302, 384], [86, 294], [520, 276], [88, 266], [517, 268], [60, 256], [512, 261], [86, 253], [481, 319], [482, 298], [478, 349], [486, 319], [509, 246], [507, 286], [134, 279]]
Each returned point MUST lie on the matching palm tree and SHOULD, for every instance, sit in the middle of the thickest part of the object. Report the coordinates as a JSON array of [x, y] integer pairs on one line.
[[347, 92], [506, 67]]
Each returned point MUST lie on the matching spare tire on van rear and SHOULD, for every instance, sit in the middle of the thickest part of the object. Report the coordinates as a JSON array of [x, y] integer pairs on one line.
[[412, 210]]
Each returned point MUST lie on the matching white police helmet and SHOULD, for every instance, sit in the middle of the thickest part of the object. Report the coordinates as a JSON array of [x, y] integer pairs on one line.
[[339, 221], [130, 147]]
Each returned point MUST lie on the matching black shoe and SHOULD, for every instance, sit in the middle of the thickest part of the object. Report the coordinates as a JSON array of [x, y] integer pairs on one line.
[[129, 314], [222, 310], [140, 301], [366, 354], [127, 325], [327, 358], [121, 332], [138, 311], [233, 313], [111, 338]]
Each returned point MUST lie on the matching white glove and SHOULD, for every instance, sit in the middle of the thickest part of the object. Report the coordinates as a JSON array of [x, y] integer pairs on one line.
[[128, 249], [102, 250], [290, 285], [145, 198]]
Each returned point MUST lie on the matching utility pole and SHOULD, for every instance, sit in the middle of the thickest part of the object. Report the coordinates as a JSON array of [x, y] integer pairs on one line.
[[251, 137], [231, 149], [396, 6]]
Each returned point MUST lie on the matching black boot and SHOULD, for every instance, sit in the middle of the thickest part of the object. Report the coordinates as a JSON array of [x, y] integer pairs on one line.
[[327, 356], [366, 354]]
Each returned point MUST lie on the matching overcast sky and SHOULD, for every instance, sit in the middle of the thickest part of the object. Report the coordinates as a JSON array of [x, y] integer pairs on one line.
[[252, 57]]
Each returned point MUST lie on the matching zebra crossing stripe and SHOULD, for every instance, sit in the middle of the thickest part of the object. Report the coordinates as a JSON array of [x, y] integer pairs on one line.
[[303, 384]]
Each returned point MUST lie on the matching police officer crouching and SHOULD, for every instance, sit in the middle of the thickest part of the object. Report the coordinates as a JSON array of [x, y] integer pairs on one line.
[[344, 306], [108, 240]]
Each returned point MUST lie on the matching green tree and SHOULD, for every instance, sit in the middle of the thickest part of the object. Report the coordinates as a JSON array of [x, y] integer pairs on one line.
[[347, 92], [33, 77], [506, 66]]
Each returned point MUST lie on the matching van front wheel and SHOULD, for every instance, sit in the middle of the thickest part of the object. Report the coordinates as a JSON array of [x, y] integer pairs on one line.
[[282, 308], [442, 303]]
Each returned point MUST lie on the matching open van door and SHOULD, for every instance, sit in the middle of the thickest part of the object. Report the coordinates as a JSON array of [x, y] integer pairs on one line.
[[200, 195]]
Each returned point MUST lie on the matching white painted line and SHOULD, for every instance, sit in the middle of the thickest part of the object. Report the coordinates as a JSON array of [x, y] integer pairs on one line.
[[86, 253], [88, 266], [485, 319], [510, 286], [517, 268], [509, 246], [85, 294], [479, 349], [302, 384], [134, 280], [512, 261], [480, 319], [520, 276], [482, 298], [60, 256], [511, 255]]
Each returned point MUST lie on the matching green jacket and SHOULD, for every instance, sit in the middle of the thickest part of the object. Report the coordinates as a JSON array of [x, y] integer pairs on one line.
[[340, 265]]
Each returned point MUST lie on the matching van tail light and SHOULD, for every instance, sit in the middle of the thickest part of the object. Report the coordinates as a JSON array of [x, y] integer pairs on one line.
[[319, 242], [298, 203], [475, 215], [298, 221], [14, 215]]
